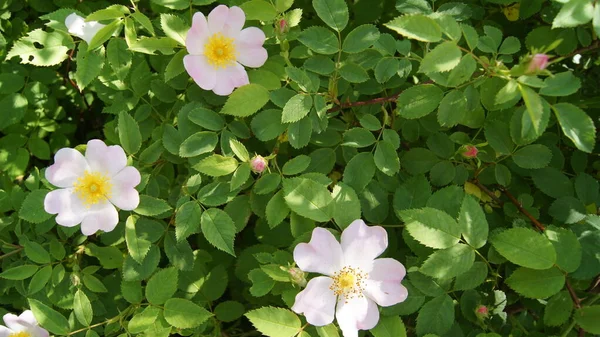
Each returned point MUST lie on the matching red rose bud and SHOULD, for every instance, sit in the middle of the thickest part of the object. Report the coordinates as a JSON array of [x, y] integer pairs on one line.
[[469, 151], [258, 164], [283, 26], [482, 311], [538, 62]]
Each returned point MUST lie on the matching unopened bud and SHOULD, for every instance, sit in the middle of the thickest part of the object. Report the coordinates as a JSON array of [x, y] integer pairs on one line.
[[258, 164], [469, 151], [297, 276], [283, 27], [538, 62], [482, 311]]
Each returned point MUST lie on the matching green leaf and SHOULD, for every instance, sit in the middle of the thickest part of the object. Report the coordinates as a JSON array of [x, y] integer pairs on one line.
[[49, 318], [431, 227], [587, 318], [558, 310], [240, 176], [129, 133], [274, 322], [229, 311], [32, 209], [386, 158], [82, 308], [185, 314], [320, 40], [218, 229], [14, 108], [308, 198], [511, 45], [36, 253], [536, 283], [258, 10], [296, 108], [471, 36], [359, 171], [277, 210], [89, 65], [239, 149], [296, 165], [574, 13], [144, 320], [20, 272], [180, 253], [261, 282], [419, 160], [174, 27], [534, 156], [329, 330], [136, 246], [553, 182], [418, 27], [104, 34], [576, 125], [567, 247], [596, 20], [360, 38], [450, 262], [119, 58], [525, 247], [389, 326], [175, 66], [246, 100], [561, 84], [533, 103], [54, 48], [472, 278], [267, 183], [207, 119], [358, 137], [498, 136], [162, 286], [198, 143], [346, 205], [187, 220], [150, 206], [353, 73], [299, 133], [442, 58], [110, 257], [217, 165], [333, 12], [436, 316], [40, 279], [418, 101], [452, 108], [473, 223], [385, 69]]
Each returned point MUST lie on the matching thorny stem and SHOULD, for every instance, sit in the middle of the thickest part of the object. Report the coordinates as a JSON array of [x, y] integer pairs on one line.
[[515, 202], [574, 297], [488, 192]]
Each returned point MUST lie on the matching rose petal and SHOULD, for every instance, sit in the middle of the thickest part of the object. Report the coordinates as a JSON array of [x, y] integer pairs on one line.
[[123, 194], [253, 57], [4, 331], [67, 205], [100, 216], [235, 22], [27, 317], [361, 244], [12, 322], [90, 29], [217, 19], [203, 74], [69, 164], [383, 285], [252, 37], [316, 301], [197, 35], [77, 26], [230, 78], [359, 313], [108, 160], [322, 254], [38, 332]]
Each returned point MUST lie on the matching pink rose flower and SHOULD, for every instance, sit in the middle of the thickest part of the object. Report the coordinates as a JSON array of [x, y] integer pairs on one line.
[[219, 49], [355, 280], [258, 164], [23, 325], [537, 63]]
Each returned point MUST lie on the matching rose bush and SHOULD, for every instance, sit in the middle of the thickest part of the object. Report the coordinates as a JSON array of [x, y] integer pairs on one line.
[[298, 168]]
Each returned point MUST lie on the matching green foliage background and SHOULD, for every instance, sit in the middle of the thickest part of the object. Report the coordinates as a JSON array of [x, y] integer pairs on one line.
[[362, 109]]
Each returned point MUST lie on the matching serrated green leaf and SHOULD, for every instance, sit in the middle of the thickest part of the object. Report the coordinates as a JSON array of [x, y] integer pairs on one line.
[[89, 65], [536, 283], [574, 13], [553, 182], [150, 206], [296, 165], [472, 278], [136, 246], [261, 282], [558, 310], [473, 222], [82, 308], [104, 34], [259, 10], [561, 84], [525, 247], [49, 318], [206, 118], [217, 165], [353, 73], [277, 210], [347, 206], [36, 253], [274, 322], [587, 318], [129, 133], [567, 247], [436, 316], [198, 143], [534, 156], [32, 209], [55, 47], [431, 227], [308, 198], [389, 326], [320, 39], [185, 314], [360, 38], [19, 272], [218, 229], [450, 262], [174, 27], [296, 108], [418, 101], [358, 137], [246, 100], [386, 158], [39, 280], [418, 27], [386, 68], [333, 12], [162, 286], [442, 58], [239, 149], [119, 58], [576, 125]]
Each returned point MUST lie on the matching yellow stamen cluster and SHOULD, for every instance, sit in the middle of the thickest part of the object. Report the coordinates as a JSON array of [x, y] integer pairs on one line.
[[220, 51], [349, 282], [20, 334], [92, 187]]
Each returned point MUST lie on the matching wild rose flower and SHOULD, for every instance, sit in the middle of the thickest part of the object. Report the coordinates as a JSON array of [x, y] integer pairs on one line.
[[219, 47], [469, 151], [258, 164], [83, 30], [24, 325], [91, 187], [538, 62], [355, 282]]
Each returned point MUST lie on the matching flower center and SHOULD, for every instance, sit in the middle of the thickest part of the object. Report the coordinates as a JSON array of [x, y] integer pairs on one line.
[[349, 282], [20, 334], [92, 188], [220, 51]]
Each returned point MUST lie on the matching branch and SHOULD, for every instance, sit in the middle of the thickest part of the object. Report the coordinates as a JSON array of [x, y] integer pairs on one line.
[[515, 202], [488, 192], [594, 45], [574, 297]]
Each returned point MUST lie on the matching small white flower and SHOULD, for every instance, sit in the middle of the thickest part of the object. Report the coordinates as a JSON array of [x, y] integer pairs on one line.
[[83, 30], [219, 47], [356, 280], [90, 186], [24, 325]]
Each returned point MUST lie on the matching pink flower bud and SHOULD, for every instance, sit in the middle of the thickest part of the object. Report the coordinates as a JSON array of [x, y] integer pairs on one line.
[[297, 276], [482, 311], [258, 164], [469, 151], [282, 26], [538, 62]]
